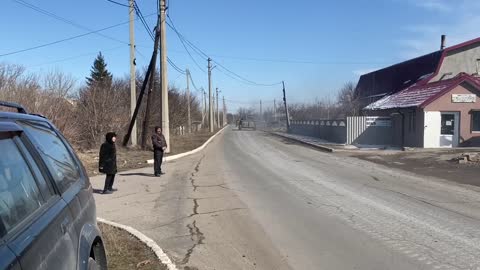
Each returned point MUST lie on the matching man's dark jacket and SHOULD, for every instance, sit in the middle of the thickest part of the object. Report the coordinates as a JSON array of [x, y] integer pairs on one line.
[[107, 162], [158, 142]]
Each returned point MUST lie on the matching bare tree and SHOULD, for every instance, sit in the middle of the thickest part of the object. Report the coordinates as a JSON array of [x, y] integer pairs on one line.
[[348, 103]]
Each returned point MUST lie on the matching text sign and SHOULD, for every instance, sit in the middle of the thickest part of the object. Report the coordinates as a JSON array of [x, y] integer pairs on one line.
[[378, 121], [464, 98]]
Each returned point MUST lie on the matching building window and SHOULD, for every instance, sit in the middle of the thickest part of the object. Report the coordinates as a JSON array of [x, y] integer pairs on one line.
[[476, 121]]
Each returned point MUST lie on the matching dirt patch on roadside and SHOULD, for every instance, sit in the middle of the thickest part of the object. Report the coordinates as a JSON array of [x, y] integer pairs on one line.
[[126, 252], [129, 159], [437, 163]]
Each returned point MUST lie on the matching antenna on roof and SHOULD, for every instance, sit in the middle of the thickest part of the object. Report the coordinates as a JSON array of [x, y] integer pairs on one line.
[[442, 44]]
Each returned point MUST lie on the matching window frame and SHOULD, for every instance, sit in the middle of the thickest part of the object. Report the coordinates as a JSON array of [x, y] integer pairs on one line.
[[78, 165], [472, 112], [26, 222]]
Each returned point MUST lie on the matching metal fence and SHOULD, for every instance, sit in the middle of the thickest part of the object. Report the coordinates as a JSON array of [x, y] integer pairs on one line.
[[365, 130], [369, 130]]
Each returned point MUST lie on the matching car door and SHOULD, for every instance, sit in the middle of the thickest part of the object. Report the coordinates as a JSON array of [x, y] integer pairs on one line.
[[42, 239], [8, 260]]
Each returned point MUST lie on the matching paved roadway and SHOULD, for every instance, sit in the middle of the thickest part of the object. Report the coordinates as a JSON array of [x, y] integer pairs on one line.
[[251, 200]]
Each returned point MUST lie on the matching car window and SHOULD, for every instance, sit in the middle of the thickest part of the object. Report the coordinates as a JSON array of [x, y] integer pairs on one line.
[[19, 193], [59, 161]]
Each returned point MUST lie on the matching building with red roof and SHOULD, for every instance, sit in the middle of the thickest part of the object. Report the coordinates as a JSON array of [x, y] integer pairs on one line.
[[432, 100]]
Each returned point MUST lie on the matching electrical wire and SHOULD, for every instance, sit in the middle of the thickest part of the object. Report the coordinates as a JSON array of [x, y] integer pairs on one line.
[[202, 54], [117, 3], [175, 66], [182, 40], [68, 39], [75, 57], [142, 20], [62, 19]]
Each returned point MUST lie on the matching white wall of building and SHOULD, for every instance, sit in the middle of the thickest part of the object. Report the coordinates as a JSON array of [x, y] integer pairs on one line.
[[464, 60]]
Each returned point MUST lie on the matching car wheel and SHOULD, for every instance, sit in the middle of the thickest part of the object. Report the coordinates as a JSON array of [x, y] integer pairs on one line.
[[92, 264]]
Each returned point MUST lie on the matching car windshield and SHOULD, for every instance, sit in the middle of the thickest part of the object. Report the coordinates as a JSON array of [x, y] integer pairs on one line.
[[241, 134]]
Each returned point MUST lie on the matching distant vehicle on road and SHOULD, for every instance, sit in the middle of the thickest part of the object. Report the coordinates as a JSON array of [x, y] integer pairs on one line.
[[47, 210], [246, 124]]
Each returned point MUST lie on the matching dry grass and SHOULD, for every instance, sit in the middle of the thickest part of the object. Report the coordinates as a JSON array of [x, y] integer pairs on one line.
[[129, 159], [126, 252]]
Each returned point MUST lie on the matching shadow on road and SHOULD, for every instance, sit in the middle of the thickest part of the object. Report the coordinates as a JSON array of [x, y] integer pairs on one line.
[[138, 174]]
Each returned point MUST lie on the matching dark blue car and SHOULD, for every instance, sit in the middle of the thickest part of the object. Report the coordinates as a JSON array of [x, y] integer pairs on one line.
[[47, 211]]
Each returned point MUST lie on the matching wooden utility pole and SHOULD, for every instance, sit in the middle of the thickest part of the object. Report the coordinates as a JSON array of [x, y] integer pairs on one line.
[[286, 107], [133, 91], [189, 120], [151, 90], [163, 75], [218, 113], [274, 110], [210, 108]]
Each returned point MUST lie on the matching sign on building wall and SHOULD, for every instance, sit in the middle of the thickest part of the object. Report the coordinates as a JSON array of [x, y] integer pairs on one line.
[[378, 121], [464, 98]]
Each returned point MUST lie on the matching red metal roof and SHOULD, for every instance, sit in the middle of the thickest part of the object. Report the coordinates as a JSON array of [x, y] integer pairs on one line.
[[393, 79], [420, 95]]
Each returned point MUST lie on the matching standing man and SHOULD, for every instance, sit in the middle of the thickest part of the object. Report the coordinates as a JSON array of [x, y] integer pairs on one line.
[[159, 146], [107, 162]]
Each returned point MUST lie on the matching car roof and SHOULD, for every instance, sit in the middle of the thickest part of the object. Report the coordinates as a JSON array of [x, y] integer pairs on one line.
[[21, 116]]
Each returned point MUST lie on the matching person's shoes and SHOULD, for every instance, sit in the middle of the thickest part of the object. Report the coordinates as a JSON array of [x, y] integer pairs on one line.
[[112, 189], [157, 175], [162, 173], [106, 192]]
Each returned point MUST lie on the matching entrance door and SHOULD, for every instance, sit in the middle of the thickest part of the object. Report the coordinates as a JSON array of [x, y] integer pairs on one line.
[[449, 131]]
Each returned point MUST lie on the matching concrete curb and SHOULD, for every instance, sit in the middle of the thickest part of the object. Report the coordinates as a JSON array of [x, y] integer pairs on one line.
[[143, 238], [196, 150], [320, 147]]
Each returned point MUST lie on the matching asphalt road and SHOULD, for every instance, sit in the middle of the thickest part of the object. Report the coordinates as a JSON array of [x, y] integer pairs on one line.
[[255, 201]]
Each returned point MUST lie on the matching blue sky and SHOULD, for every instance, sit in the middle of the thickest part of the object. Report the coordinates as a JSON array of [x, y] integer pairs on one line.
[[315, 46]]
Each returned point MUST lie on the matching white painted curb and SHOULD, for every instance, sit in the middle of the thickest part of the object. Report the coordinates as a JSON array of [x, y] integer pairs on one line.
[[196, 150], [149, 242]]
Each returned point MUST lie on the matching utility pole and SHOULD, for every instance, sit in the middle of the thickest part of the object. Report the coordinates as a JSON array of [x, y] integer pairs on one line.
[[204, 107], [261, 115], [163, 75], [275, 110], [210, 108], [189, 120], [224, 112], [286, 107], [218, 113], [150, 95], [133, 91]]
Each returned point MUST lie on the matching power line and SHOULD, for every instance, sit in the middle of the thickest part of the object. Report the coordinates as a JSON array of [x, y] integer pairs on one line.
[[62, 19], [142, 19], [175, 66], [75, 57], [117, 3], [67, 39], [182, 40], [193, 83], [231, 74]]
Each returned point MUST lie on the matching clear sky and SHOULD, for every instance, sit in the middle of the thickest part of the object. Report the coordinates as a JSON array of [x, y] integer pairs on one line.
[[315, 46]]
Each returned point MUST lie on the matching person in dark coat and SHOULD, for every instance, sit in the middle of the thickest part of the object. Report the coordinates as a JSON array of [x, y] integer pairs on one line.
[[107, 163], [159, 146]]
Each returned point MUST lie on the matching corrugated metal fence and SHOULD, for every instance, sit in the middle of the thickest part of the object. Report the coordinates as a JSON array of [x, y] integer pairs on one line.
[[366, 130], [369, 130]]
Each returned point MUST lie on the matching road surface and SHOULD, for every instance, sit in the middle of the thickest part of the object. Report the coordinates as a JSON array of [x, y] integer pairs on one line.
[[251, 200]]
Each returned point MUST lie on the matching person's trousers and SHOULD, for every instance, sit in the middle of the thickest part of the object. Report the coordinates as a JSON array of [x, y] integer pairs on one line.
[[157, 161], [109, 179]]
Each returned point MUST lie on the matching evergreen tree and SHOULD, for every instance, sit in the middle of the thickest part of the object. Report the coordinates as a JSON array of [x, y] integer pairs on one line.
[[99, 75]]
